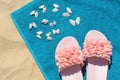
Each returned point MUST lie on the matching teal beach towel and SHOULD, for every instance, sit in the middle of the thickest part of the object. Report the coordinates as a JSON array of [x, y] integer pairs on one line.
[[101, 15]]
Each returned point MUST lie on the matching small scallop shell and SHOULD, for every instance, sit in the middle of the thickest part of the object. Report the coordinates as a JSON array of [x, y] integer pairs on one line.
[[51, 24], [36, 14], [32, 12], [54, 23], [48, 34], [38, 36], [56, 31], [39, 32], [55, 10], [30, 26], [69, 10], [49, 38], [41, 7], [72, 22], [66, 14], [56, 5], [77, 20], [45, 21], [44, 10], [34, 25]]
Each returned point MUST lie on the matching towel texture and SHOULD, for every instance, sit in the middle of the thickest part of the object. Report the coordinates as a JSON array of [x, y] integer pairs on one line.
[[102, 15]]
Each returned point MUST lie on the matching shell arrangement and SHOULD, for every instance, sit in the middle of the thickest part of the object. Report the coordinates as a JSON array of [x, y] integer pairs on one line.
[[43, 8]]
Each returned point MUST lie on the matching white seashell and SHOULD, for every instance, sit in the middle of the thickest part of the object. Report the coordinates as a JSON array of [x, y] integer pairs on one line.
[[32, 13], [77, 20], [69, 10], [51, 24], [56, 5], [56, 31], [38, 36], [44, 10], [34, 24], [55, 10], [48, 34], [49, 38], [36, 14], [72, 22], [54, 23], [39, 33], [41, 7], [66, 14], [45, 21], [30, 26]]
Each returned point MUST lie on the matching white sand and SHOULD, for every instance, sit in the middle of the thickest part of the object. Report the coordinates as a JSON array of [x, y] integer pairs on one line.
[[16, 62]]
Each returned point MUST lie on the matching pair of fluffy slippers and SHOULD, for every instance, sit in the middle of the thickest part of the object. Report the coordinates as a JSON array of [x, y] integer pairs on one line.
[[96, 53]]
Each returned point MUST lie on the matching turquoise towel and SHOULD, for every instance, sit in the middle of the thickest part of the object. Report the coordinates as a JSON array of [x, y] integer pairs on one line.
[[102, 15]]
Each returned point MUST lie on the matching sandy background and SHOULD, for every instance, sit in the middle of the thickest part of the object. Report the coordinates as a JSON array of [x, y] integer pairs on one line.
[[16, 62]]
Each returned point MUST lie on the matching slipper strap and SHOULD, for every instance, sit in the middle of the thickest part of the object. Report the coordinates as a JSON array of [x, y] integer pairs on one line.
[[102, 49], [69, 57]]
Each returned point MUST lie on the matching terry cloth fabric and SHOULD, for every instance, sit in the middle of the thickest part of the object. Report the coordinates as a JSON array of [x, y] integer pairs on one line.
[[101, 15]]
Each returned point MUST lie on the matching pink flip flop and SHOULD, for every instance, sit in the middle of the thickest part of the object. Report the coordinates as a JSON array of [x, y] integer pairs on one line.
[[97, 51], [69, 59]]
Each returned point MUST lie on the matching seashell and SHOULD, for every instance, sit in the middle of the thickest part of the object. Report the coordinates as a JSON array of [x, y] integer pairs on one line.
[[51, 24], [66, 14], [30, 26], [48, 34], [56, 5], [41, 7], [55, 10], [56, 31], [54, 23], [34, 24], [49, 38], [45, 21], [77, 20], [44, 10], [72, 22], [39, 33], [36, 14], [38, 36], [69, 10], [32, 13]]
